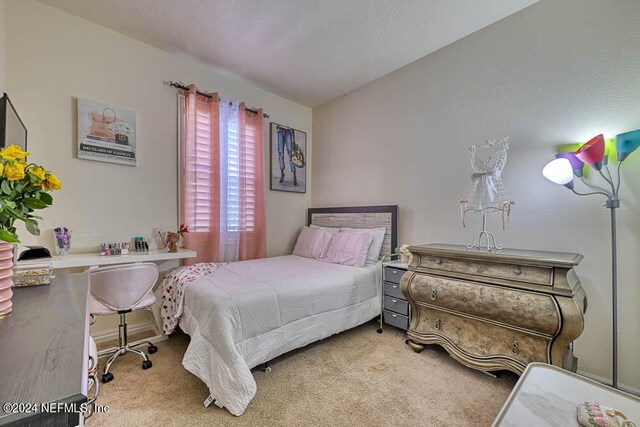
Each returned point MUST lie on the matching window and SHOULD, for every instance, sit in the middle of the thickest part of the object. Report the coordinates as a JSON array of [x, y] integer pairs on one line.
[[236, 169]]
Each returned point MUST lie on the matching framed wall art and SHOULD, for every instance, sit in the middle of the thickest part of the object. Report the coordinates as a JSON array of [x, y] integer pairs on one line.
[[288, 159], [106, 133]]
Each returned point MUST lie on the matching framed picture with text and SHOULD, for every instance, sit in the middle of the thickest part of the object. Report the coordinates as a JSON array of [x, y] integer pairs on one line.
[[106, 133]]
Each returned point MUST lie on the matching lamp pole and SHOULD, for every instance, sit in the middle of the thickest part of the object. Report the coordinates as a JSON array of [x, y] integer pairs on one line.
[[612, 203]]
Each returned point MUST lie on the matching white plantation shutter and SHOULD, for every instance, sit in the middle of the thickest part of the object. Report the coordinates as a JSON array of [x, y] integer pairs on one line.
[[248, 175], [198, 170]]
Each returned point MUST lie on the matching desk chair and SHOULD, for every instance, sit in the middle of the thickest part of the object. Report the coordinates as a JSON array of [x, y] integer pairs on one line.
[[122, 289]]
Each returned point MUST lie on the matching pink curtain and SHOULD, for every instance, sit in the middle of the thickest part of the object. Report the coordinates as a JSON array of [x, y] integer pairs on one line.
[[200, 176], [252, 214], [200, 180]]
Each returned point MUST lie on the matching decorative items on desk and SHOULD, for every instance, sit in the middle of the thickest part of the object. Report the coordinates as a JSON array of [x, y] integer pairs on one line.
[[63, 240], [140, 244], [170, 239], [108, 249]]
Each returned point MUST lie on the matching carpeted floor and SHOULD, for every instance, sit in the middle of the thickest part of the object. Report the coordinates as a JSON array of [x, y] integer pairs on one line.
[[355, 378]]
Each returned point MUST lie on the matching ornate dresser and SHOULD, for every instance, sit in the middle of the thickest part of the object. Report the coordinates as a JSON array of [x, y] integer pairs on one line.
[[494, 311]]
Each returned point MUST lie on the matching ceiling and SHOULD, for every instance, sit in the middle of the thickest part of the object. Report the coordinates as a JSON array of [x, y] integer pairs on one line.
[[309, 51]]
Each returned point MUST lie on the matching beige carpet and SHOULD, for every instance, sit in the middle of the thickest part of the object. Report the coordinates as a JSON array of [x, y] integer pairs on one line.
[[355, 378]]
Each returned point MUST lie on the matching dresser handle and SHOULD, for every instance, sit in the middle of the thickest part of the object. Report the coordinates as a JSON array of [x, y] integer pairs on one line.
[[437, 261], [434, 294], [394, 301], [395, 271], [515, 349], [436, 325], [517, 271], [394, 286], [394, 315]]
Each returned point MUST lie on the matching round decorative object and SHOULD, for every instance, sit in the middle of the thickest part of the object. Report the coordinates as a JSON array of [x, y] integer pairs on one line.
[[6, 277]]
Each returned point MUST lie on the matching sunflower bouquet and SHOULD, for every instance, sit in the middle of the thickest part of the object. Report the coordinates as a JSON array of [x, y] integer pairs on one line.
[[24, 188]]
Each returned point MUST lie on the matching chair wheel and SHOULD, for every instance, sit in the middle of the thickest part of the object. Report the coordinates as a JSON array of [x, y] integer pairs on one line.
[[152, 349], [107, 377], [147, 364], [379, 330]]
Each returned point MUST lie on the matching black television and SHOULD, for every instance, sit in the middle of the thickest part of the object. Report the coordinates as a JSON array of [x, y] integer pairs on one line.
[[12, 130]]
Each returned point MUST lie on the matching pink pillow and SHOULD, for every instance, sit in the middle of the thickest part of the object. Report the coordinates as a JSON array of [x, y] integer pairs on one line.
[[349, 248], [312, 243]]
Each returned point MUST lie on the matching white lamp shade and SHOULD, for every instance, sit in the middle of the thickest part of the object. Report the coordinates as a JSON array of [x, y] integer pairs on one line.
[[558, 171]]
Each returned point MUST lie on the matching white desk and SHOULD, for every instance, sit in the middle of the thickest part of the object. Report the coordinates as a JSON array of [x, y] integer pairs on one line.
[[94, 259]]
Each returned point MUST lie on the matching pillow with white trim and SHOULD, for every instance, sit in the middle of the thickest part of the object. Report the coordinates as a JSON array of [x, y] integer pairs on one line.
[[312, 243], [378, 240], [348, 248]]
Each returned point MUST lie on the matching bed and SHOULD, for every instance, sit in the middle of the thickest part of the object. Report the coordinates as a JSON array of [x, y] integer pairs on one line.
[[243, 314]]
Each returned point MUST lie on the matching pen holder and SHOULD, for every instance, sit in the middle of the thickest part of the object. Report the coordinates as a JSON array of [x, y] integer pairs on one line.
[[63, 241]]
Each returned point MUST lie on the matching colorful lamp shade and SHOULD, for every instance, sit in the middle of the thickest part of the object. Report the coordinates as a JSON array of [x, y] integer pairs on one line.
[[627, 143], [559, 171], [592, 152], [576, 164]]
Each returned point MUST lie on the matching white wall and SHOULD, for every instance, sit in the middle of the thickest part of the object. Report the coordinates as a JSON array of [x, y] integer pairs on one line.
[[2, 48], [53, 57], [557, 72]]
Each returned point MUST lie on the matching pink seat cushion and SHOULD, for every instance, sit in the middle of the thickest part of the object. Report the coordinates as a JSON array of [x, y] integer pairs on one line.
[[99, 308], [313, 242], [349, 248]]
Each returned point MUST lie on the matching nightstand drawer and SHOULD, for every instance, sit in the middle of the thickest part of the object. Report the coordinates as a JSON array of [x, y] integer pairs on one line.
[[399, 306], [395, 319], [393, 290], [393, 275]]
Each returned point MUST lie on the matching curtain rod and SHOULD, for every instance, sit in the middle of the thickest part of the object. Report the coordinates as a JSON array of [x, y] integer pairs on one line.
[[179, 85]]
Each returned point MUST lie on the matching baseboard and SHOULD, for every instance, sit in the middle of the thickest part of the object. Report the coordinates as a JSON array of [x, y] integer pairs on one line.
[[112, 334], [605, 381]]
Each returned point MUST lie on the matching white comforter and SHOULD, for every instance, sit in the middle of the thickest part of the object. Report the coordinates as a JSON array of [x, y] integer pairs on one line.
[[249, 312]]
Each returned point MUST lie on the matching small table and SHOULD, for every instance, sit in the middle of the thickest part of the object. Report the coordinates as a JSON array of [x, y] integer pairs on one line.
[[546, 395], [394, 305]]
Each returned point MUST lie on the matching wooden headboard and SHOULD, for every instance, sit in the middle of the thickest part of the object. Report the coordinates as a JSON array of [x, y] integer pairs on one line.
[[360, 217]]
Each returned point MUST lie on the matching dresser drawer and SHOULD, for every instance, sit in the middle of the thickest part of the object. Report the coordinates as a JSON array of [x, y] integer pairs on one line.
[[528, 310], [482, 339], [395, 319], [513, 272], [393, 290], [399, 306], [393, 275]]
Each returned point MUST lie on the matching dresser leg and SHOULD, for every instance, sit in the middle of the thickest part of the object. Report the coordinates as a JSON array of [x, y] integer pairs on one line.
[[415, 346]]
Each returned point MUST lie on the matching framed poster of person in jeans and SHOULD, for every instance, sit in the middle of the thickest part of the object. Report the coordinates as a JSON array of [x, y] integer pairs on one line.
[[288, 159]]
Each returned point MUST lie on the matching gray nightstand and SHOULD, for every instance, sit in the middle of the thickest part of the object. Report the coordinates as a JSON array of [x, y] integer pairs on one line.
[[395, 306]]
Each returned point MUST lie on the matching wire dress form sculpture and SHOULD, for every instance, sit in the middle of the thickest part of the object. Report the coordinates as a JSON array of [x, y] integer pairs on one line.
[[487, 193]]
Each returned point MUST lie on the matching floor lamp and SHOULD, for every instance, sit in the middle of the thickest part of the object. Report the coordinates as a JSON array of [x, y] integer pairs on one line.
[[562, 171]]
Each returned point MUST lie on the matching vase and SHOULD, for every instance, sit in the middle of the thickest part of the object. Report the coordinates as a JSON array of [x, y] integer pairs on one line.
[[6, 277]]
